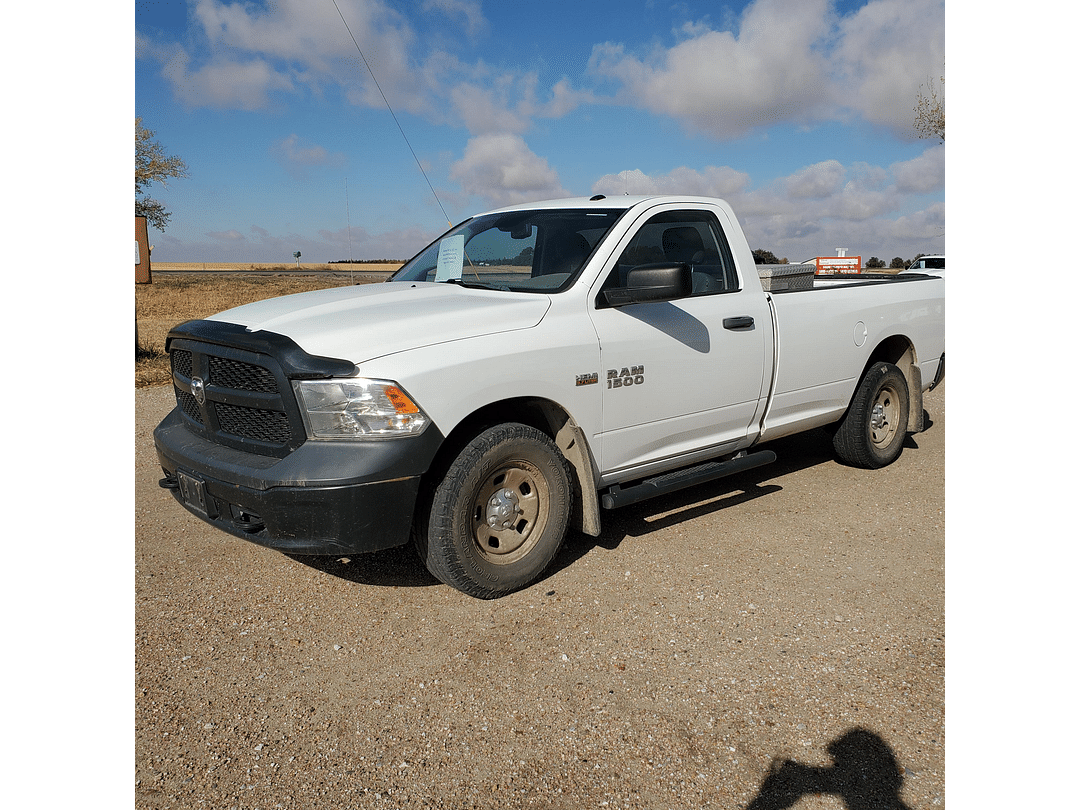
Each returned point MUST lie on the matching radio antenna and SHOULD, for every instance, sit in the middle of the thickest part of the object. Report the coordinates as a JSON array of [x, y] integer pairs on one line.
[[392, 115]]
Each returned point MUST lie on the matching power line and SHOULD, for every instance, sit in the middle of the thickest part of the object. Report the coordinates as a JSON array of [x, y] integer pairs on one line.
[[392, 115]]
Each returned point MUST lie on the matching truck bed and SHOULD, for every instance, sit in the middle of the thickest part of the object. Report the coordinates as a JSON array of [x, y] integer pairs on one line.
[[784, 278], [826, 333]]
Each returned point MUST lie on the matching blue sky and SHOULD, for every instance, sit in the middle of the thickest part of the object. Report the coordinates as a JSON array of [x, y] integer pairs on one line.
[[798, 112]]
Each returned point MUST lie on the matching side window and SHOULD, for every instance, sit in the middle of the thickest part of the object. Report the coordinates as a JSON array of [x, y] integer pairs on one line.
[[693, 237]]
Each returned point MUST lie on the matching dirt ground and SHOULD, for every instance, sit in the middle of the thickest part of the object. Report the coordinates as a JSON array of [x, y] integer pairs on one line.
[[767, 641]]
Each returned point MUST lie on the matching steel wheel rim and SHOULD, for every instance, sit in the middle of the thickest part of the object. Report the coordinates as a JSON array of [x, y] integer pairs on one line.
[[509, 513], [885, 416]]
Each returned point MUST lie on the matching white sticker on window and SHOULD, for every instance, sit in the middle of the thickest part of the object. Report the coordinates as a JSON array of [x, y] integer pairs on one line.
[[451, 258]]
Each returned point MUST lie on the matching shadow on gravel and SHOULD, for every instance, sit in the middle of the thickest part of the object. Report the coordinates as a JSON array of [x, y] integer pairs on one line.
[[909, 440], [400, 567], [394, 567], [794, 453], [865, 775]]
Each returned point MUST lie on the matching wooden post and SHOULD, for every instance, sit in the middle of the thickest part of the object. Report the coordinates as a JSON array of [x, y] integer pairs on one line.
[[142, 252]]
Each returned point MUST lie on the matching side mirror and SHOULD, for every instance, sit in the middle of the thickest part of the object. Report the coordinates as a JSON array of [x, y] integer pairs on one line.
[[652, 282]]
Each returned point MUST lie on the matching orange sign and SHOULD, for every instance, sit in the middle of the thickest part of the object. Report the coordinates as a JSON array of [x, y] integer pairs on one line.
[[830, 265]]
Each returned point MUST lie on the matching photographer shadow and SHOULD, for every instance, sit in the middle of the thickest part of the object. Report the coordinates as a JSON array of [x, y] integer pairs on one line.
[[865, 776]]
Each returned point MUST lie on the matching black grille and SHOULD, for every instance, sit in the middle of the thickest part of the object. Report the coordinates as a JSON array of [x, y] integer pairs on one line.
[[181, 363], [253, 423], [189, 406], [248, 403], [241, 376]]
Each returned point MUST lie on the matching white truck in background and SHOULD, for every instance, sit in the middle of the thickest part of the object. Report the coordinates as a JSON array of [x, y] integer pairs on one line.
[[932, 265], [531, 368]]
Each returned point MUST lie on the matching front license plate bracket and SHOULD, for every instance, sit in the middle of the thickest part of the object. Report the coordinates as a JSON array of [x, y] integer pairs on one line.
[[193, 491]]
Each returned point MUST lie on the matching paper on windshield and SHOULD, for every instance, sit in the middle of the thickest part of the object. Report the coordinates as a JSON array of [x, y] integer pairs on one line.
[[451, 258]]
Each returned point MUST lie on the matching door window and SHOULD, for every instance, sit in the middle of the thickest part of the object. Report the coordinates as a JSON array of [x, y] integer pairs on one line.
[[691, 237]]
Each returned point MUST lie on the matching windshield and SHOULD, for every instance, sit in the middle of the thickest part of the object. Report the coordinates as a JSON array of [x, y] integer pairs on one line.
[[520, 251]]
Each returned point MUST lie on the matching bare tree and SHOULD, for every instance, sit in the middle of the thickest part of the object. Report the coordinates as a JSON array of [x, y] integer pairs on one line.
[[152, 165], [930, 111]]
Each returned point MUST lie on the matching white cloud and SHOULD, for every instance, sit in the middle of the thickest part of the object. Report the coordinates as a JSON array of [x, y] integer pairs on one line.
[[230, 236], [857, 202], [503, 170], [486, 110], [817, 208], [399, 244], [144, 48], [293, 151], [246, 53], [923, 174], [787, 62], [887, 50], [565, 99], [725, 85], [712, 181], [487, 101], [263, 245], [817, 181], [260, 245], [475, 23], [298, 155], [782, 62], [240, 85], [294, 29], [928, 224]]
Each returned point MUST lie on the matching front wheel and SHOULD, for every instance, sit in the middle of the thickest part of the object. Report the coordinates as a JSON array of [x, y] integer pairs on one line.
[[872, 432], [498, 516]]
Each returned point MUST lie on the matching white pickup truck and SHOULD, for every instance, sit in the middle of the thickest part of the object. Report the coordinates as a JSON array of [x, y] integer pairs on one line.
[[531, 368]]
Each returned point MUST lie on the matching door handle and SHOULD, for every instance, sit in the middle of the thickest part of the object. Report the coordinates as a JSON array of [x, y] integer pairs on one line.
[[740, 322]]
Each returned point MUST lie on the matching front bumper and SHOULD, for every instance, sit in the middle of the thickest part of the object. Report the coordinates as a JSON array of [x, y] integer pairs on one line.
[[326, 497]]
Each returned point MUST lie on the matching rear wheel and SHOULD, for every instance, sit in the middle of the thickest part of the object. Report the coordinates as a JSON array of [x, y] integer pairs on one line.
[[872, 432], [498, 516]]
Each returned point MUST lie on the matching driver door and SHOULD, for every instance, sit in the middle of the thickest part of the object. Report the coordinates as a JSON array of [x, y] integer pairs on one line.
[[684, 376]]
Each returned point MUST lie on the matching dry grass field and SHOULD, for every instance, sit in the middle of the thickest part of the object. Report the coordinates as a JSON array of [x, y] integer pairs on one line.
[[358, 268], [170, 300]]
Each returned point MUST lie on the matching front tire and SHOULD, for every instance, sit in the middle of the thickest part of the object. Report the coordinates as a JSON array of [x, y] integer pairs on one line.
[[871, 434], [498, 516]]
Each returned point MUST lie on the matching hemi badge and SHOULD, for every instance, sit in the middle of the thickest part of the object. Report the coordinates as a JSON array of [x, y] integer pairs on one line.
[[588, 379]]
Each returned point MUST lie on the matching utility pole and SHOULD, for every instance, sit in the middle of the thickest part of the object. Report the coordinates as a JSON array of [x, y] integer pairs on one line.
[[348, 221]]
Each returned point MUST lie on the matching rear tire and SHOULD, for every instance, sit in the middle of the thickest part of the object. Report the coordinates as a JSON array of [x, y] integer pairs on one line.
[[498, 516], [871, 434]]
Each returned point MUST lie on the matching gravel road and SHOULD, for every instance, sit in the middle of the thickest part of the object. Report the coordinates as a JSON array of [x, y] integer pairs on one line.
[[771, 640]]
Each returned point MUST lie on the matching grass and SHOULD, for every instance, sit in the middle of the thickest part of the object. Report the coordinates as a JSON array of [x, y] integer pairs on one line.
[[174, 299]]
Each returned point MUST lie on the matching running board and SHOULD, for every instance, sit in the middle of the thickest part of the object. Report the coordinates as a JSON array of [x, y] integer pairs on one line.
[[617, 495]]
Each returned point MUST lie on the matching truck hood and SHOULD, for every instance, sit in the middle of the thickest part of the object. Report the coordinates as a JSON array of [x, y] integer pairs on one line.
[[362, 322]]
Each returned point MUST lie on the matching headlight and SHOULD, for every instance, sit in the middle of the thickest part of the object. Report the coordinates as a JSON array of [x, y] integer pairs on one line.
[[357, 408]]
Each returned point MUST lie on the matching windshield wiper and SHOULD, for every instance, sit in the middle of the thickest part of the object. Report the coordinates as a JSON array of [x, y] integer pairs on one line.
[[474, 285]]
